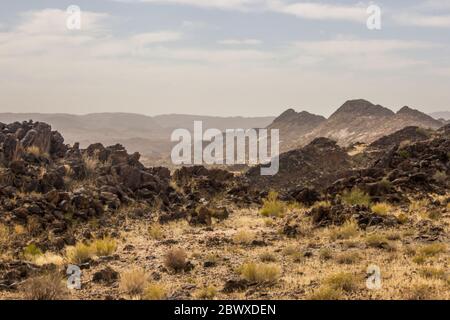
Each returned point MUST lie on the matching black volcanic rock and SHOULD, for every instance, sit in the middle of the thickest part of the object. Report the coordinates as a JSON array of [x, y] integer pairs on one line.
[[317, 164], [409, 134]]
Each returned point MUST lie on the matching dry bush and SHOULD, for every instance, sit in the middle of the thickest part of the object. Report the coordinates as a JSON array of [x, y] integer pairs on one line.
[[133, 282], [175, 259], [47, 287], [342, 281], [206, 293], [244, 237], [90, 165], [348, 230], [103, 247], [155, 291], [272, 207], [79, 254], [356, 197], [381, 208], [326, 293], [156, 232], [259, 272]]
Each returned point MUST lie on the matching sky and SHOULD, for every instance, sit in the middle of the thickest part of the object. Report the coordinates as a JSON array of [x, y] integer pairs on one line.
[[222, 57]]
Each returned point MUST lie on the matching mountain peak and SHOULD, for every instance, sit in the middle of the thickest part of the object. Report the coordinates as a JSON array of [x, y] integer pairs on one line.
[[361, 107], [408, 112], [291, 116]]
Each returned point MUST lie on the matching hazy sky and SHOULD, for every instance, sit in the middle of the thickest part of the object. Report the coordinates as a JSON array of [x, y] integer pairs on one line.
[[222, 57]]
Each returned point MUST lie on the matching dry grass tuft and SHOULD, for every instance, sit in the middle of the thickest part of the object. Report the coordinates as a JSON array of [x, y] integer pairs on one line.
[[326, 293], [381, 208], [259, 272], [347, 231], [155, 291], [342, 281], [272, 207], [155, 231], [244, 237], [103, 247], [206, 293], [133, 282], [356, 197], [79, 254]]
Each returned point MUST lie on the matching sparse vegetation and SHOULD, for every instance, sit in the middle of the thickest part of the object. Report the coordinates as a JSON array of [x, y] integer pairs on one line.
[[206, 293], [244, 237], [347, 231], [346, 282], [356, 197], [155, 231], [381, 208], [175, 259], [259, 273], [155, 291], [46, 287], [326, 293], [133, 282], [103, 247], [272, 207], [78, 254]]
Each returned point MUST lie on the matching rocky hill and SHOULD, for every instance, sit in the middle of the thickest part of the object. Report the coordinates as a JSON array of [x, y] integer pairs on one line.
[[354, 121]]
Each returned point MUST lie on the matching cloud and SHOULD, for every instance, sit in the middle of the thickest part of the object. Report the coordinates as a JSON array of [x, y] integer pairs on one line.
[[218, 4], [155, 37], [321, 11], [357, 54], [246, 42], [423, 20], [45, 32]]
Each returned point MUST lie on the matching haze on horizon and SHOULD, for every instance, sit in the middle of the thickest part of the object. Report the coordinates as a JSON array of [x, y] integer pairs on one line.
[[222, 58]]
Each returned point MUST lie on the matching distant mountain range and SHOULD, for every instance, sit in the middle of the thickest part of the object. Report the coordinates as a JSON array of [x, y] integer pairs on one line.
[[354, 121], [148, 135], [441, 115]]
